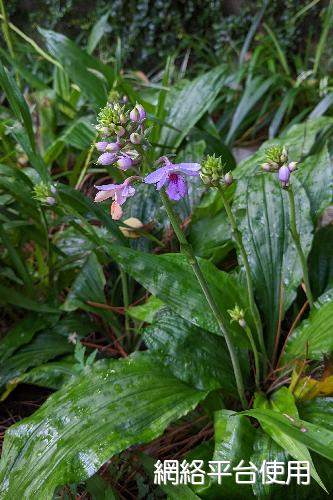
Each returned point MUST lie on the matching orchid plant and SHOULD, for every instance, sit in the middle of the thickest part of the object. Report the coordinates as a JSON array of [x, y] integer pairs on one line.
[[240, 342]]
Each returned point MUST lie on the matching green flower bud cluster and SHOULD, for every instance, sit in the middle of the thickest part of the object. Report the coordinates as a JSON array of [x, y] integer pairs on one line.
[[212, 171], [45, 193], [111, 119], [275, 157], [237, 314]]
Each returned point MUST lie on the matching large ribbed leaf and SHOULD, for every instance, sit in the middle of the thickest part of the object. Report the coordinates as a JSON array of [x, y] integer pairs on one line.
[[110, 407], [262, 209], [21, 333], [316, 176], [321, 260], [172, 280], [211, 237], [318, 411], [44, 346], [282, 402], [233, 443], [83, 69], [191, 353], [187, 105], [314, 336], [317, 438]]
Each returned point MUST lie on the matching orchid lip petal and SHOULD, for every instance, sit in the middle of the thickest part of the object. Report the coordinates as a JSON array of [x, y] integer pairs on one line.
[[177, 188]]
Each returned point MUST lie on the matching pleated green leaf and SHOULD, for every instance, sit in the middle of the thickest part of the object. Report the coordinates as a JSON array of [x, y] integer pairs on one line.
[[313, 338], [188, 104], [262, 210], [113, 406], [171, 279], [192, 354], [90, 74]]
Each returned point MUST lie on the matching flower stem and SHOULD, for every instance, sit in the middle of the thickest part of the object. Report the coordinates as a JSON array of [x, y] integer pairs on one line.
[[86, 164], [241, 249], [297, 241], [187, 250], [124, 285], [256, 356]]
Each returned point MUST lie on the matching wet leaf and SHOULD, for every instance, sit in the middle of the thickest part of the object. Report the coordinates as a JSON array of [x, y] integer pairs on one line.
[[192, 354], [189, 103], [171, 279], [313, 337], [262, 210], [133, 401]]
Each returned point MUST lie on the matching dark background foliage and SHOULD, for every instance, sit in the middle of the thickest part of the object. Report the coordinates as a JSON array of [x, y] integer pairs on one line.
[[150, 30]]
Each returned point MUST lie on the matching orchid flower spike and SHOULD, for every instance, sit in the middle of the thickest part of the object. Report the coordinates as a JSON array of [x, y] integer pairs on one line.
[[170, 175], [118, 193]]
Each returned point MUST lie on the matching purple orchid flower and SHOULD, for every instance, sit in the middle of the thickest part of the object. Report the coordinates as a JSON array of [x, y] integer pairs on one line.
[[169, 175], [118, 193]]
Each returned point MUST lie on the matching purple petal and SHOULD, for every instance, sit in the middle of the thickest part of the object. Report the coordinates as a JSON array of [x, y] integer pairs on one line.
[[188, 168], [108, 187], [162, 181], [122, 194], [104, 195], [156, 176], [177, 188]]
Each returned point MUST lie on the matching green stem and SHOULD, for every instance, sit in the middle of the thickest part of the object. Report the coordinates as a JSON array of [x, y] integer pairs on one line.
[[187, 250], [256, 356], [47, 248], [241, 249], [124, 284], [86, 164], [7, 37], [297, 241]]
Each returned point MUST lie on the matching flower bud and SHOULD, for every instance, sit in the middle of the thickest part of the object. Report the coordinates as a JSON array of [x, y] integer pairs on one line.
[[242, 323], [120, 131], [53, 190], [138, 114], [106, 159], [50, 200], [292, 166], [124, 162], [284, 175], [135, 138], [123, 118], [228, 178], [113, 147], [266, 167], [101, 146], [134, 115], [142, 112], [104, 131], [284, 155]]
